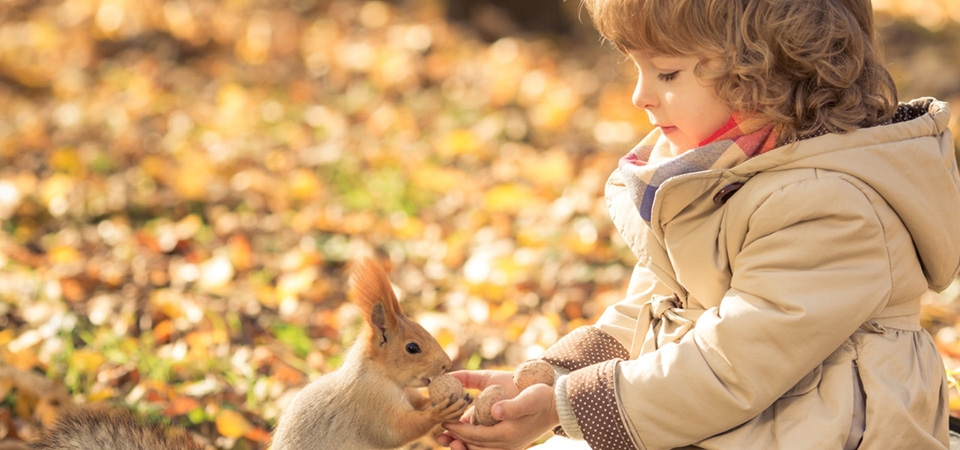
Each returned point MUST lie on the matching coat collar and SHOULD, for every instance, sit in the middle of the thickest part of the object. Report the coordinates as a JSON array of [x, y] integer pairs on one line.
[[901, 161]]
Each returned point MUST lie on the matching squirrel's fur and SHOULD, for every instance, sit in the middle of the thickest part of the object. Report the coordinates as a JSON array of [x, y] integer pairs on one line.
[[371, 401], [111, 428]]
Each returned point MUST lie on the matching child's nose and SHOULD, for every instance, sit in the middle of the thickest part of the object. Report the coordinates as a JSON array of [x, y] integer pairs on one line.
[[642, 97]]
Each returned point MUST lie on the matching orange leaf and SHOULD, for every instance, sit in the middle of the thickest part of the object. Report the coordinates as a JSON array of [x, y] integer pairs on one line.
[[162, 331], [72, 289], [287, 375], [232, 424], [258, 435], [241, 252], [181, 405], [63, 255]]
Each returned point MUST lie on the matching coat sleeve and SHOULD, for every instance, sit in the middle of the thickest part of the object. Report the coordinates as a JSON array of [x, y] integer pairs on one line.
[[601, 346], [790, 305], [620, 319]]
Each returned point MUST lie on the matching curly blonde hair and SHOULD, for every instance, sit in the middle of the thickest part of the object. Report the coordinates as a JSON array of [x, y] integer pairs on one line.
[[810, 67]]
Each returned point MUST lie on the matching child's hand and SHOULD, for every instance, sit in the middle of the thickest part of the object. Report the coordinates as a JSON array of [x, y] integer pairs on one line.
[[524, 418]]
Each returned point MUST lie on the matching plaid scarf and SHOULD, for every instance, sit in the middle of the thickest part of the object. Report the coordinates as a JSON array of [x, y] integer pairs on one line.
[[651, 163]]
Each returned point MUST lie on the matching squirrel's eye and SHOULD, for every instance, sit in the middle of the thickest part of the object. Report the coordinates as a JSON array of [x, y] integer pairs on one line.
[[413, 348]]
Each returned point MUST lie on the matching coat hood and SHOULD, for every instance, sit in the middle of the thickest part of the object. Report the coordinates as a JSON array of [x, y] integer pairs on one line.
[[911, 163]]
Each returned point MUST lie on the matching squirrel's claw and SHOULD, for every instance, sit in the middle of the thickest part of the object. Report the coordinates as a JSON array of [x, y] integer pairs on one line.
[[451, 409], [466, 397]]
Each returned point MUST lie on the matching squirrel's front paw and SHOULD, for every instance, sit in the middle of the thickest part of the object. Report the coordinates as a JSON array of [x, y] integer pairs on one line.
[[451, 409]]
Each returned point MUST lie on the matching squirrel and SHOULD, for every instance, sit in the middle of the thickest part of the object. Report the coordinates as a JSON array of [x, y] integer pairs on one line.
[[372, 401]]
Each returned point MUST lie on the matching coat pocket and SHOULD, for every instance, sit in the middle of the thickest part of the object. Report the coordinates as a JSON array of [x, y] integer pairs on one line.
[[816, 412]]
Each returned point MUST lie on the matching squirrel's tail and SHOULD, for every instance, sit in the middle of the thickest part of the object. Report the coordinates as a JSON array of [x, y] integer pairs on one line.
[[111, 428]]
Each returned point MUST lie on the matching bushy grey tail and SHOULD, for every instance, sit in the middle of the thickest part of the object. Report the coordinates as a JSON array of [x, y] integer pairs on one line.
[[109, 428]]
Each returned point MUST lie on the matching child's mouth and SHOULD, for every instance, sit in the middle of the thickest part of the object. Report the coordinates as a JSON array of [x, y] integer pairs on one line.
[[667, 130]]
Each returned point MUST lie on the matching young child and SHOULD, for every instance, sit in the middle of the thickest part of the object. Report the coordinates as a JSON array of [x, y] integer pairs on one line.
[[787, 215]]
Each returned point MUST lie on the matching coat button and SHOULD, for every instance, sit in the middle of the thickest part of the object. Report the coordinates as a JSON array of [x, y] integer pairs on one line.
[[726, 192]]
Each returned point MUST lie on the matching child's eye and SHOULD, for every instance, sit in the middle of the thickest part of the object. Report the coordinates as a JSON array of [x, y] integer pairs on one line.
[[668, 76]]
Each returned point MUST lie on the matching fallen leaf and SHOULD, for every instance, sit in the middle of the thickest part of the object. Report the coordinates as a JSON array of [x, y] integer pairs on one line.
[[231, 423]]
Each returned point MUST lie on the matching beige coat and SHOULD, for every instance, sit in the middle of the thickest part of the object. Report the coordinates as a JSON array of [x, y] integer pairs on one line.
[[804, 286]]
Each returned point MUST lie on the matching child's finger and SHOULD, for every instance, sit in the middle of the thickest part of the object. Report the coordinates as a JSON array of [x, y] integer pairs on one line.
[[525, 404], [480, 379], [444, 439], [468, 378]]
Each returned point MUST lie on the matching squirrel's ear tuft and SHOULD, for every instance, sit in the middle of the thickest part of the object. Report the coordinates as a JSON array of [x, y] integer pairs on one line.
[[372, 292]]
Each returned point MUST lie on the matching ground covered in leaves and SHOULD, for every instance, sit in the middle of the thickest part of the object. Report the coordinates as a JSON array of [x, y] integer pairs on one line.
[[182, 185]]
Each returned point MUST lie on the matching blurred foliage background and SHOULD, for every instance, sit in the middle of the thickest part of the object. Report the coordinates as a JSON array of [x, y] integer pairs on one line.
[[182, 184]]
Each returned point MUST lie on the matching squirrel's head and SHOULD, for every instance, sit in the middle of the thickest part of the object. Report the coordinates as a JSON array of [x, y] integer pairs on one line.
[[409, 355]]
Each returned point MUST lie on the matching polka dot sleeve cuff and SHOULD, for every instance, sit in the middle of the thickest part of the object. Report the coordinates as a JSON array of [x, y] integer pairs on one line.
[[583, 347], [592, 394]]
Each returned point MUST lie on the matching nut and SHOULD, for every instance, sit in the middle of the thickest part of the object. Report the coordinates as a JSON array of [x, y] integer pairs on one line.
[[534, 371], [443, 388], [485, 401]]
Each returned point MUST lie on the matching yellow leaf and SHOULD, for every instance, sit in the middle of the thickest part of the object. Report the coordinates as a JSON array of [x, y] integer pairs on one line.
[[446, 338], [408, 228], [232, 424], [458, 142], [303, 185], [188, 227], [552, 169], [6, 336], [532, 237], [87, 361], [63, 255], [504, 312], [193, 177], [509, 198], [156, 167], [232, 96], [104, 393], [556, 109], [25, 359], [66, 160], [55, 189], [169, 302], [295, 283], [613, 104], [267, 295], [440, 179]]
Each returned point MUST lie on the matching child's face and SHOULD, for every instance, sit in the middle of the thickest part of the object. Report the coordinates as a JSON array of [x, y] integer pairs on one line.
[[686, 111]]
